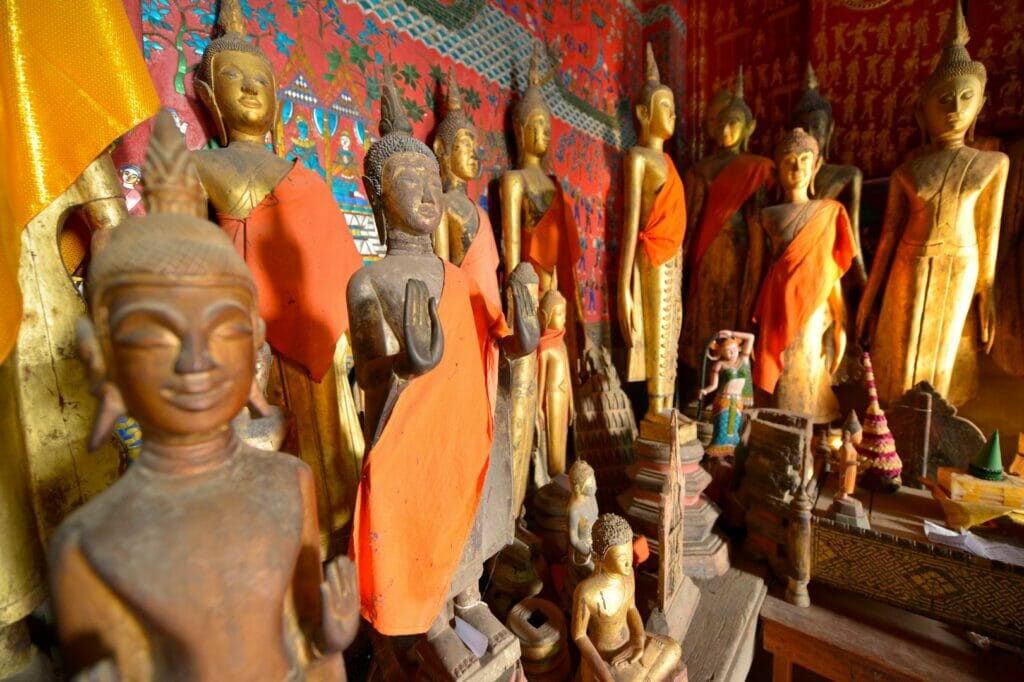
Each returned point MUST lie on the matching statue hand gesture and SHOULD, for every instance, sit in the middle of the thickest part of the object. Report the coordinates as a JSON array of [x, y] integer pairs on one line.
[[424, 338], [987, 318], [339, 604], [527, 327], [630, 334]]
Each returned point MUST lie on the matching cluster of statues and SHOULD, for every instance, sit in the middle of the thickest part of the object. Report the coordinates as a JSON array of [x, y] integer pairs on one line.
[[204, 561]]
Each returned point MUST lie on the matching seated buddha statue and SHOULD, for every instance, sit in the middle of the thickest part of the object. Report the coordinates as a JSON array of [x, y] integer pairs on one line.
[[538, 226], [651, 253], [202, 561], [937, 254], [725, 250], [606, 624], [284, 222], [419, 357], [800, 309]]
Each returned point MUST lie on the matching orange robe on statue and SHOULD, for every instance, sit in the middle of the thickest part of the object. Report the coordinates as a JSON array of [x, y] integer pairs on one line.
[[423, 477], [555, 242], [726, 195], [480, 264], [798, 282], [301, 255], [666, 225]]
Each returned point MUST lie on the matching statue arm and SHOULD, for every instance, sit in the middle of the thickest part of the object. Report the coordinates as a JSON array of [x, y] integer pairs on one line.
[[104, 206], [542, 378], [892, 228], [373, 366], [756, 258], [511, 193], [748, 343], [988, 213], [588, 652], [441, 245], [838, 309], [713, 384], [575, 521], [633, 174], [856, 185], [695, 191]]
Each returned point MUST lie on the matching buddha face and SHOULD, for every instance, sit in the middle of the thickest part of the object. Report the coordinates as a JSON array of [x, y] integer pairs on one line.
[[412, 193], [182, 356], [854, 438], [462, 158], [619, 560], [951, 106], [587, 487], [661, 115], [818, 125], [537, 133], [554, 317], [243, 87], [730, 128], [796, 169]]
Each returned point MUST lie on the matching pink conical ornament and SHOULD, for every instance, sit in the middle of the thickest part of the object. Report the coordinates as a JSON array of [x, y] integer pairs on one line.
[[878, 445]]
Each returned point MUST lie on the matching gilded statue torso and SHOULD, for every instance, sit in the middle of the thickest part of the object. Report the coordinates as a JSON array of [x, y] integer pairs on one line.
[[463, 223], [608, 608], [538, 193], [942, 190], [237, 180], [654, 175], [210, 517]]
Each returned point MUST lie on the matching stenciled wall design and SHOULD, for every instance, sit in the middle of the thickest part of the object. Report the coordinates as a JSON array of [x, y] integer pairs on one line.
[[330, 56]]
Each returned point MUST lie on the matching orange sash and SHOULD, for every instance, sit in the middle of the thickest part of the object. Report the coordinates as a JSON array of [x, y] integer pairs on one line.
[[480, 266], [301, 255], [666, 225], [555, 241], [726, 195], [797, 283], [550, 338], [422, 480]]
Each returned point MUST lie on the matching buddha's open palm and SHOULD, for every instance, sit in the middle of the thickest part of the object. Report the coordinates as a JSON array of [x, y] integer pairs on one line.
[[424, 338]]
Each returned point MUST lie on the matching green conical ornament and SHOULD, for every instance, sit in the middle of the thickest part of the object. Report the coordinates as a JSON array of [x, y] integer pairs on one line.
[[988, 464]]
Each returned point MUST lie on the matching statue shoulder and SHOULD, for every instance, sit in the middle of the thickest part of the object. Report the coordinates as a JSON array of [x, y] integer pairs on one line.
[[992, 162]]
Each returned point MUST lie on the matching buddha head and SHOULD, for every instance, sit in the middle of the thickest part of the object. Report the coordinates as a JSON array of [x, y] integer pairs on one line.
[[952, 96], [175, 324], [531, 117], [455, 140], [813, 112], [797, 161], [235, 81], [401, 175], [730, 123], [582, 480], [613, 545], [853, 433], [551, 312], [655, 106]]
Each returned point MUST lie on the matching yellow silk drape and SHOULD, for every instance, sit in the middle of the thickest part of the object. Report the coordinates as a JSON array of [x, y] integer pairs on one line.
[[73, 80]]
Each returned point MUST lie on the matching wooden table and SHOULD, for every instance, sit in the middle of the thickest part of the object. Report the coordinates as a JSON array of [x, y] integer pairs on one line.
[[849, 637]]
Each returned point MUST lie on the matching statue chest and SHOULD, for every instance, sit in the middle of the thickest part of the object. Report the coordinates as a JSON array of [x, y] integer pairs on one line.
[[943, 191]]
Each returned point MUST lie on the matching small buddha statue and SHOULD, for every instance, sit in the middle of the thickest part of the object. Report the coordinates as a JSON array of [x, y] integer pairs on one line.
[[606, 624], [538, 226], [202, 561], [554, 381], [650, 256], [285, 223], [724, 246], [419, 357], [848, 459], [937, 253], [581, 513], [732, 385], [800, 309], [813, 113]]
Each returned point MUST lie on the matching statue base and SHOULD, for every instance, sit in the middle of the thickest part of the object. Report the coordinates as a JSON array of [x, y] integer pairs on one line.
[[493, 665], [849, 512]]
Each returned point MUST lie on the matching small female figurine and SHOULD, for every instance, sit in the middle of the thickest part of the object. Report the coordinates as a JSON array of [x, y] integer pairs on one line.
[[730, 371]]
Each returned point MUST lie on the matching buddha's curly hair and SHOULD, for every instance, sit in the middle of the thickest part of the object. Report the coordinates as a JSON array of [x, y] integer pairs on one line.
[[610, 530], [395, 142], [795, 141], [579, 472]]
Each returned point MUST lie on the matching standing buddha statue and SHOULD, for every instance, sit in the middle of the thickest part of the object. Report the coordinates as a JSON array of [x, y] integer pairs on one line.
[[801, 299], [724, 246], [416, 536], [554, 381], [813, 113], [650, 259], [202, 561], [538, 226], [937, 253], [284, 222]]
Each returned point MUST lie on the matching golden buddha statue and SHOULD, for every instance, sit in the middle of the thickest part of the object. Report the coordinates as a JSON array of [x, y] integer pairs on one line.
[[538, 226], [419, 341], [813, 113], [202, 561], [650, 258], [606, 624], [937, 253], [554, 381], [283, 220], [725, 250], [800, 309]]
